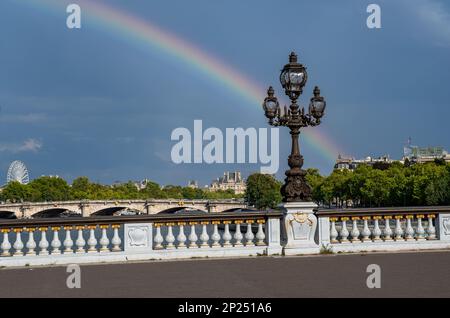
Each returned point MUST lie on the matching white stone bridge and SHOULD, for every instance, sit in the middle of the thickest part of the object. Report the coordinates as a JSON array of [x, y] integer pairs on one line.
[[111, 207]]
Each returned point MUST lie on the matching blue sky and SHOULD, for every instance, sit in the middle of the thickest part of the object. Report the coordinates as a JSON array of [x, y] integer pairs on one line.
[[86, 102]]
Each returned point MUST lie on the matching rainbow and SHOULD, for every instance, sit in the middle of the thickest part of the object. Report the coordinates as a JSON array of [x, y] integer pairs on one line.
[[143, 33]]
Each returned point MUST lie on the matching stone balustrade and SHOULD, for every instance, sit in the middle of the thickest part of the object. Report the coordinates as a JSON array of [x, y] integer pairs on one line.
[[299, 228], [189, 236], [384, 229], [109, 239], [78, 239]]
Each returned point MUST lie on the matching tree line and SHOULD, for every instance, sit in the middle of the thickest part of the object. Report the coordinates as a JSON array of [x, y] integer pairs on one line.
[[367, 186], [379, 185], [384, 185], [57, 189]]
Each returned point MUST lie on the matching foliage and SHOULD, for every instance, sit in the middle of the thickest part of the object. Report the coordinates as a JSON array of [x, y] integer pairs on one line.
[[263, 191], [49, 189], [393, 185], [366, 186], [57, 189], [17, 192]]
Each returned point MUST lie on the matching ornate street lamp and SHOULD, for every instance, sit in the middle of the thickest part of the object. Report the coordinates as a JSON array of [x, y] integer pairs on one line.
[[293, 78]]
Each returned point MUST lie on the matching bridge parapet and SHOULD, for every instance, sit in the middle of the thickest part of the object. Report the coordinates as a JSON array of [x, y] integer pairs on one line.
[[297, 230], [384, 229], [121, 238]]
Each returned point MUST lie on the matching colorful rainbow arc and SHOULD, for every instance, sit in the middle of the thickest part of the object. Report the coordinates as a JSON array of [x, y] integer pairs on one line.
[[145, 33]]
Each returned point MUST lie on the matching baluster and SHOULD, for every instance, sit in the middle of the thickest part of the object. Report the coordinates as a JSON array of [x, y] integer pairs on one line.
[[18, 244], [344, 231], [158, 237], [366, 231], [68, 242], [104, 241], [204, 237], [43, 243], [260, 236], [420, 235], [226, 234], [355, 231], [237, 234], [92, 241], [116, 241], [181, 237], [333, 232], [409, 233], [6, 245], [431, 231], [169, 237], [387, 231], [249, 236], [376, 228], [80, 242], [56, 243], [31, 244], [398, 228], [215, 236], [193, 238]]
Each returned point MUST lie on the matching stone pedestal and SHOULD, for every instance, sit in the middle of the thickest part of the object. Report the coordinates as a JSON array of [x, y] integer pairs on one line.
[[443, 226], [299, 224]]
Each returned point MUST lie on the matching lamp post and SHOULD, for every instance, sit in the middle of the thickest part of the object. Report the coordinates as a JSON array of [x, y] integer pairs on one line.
[[293, 78]]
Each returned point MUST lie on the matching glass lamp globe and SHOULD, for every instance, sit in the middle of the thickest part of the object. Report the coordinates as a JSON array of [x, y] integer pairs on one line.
[[317, 105], [270, 104], [293, 77]]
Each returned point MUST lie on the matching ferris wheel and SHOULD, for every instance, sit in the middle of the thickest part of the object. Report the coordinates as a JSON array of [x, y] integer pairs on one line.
[[18, 172]]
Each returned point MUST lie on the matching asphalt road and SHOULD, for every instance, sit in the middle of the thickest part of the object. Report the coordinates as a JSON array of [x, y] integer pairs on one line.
[[424, 274]]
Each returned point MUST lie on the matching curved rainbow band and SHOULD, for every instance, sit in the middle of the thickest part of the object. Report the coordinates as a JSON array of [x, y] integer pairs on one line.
[[141, 32]]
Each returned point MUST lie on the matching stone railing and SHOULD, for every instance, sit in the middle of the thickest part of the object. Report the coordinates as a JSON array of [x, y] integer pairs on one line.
[[384, 229], [300, 228], [112, 239]]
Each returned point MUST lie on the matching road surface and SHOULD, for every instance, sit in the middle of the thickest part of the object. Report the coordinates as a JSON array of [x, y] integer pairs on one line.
[[415, 274]]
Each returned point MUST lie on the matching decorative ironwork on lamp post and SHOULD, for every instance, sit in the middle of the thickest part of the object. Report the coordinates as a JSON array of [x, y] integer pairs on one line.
[[293, 78]]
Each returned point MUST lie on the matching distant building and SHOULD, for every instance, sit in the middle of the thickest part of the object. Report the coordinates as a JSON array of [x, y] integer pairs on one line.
[[229, 181], [417, 154], [350, 163], [193, 184], [413, 154], [140, 185]]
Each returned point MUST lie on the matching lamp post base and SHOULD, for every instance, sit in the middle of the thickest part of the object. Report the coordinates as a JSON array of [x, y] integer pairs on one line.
[[295, 188], [299, 227]]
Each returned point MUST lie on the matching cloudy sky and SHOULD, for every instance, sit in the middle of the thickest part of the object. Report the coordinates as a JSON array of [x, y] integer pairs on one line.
[[100, 102]]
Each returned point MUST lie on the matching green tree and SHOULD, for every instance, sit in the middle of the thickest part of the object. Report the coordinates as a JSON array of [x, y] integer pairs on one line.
[[263, 191], [376, 188], [315, 181], [173, 192], [192, 193], [153, 190], [356, 183], [437, 192], [221, 194], [81, 188], [125, 191], [49, 189], [16, 192], [399, 190]]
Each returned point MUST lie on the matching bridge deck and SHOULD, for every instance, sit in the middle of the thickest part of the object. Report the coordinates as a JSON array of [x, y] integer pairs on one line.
[[424, 274]]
